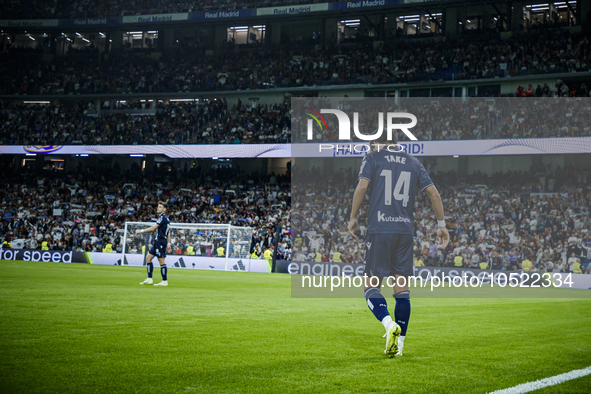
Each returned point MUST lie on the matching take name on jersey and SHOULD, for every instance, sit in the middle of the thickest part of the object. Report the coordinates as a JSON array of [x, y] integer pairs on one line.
[[395, 179], [396, 159]]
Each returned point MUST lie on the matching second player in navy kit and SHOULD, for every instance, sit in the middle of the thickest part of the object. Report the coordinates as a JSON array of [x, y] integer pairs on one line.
[[393, 179], [158, 249]]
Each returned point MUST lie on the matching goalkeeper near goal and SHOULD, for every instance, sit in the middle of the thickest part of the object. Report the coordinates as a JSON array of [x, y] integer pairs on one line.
[[393, 179], [159, 247]]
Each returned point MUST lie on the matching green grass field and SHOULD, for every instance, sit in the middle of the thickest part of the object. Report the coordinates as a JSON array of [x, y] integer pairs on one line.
[[77, 328]]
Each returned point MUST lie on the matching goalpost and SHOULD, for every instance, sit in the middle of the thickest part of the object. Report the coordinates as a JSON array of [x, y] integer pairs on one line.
[[223, 242]]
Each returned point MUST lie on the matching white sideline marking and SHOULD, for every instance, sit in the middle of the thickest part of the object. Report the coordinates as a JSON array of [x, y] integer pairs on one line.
[[551, 381]]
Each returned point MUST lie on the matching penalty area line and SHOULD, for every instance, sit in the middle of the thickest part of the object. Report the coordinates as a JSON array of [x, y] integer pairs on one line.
[[546, 382]]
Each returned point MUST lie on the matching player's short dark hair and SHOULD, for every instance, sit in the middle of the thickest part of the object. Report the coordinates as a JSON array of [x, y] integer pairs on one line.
[[162, 203], [383, 139]]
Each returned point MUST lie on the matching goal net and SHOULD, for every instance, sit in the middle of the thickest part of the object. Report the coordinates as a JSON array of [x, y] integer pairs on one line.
[[207, 246]]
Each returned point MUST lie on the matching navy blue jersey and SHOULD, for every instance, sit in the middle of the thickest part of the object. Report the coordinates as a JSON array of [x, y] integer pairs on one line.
[[394, 181], [163, 223]]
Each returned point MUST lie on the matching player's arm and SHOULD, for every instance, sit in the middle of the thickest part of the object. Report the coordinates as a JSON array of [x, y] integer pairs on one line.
[[169, 246], [148, 230], [437, 203], [358, 197]]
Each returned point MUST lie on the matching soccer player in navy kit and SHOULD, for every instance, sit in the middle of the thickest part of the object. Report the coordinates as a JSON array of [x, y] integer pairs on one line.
[[159, 247], [393, 178]]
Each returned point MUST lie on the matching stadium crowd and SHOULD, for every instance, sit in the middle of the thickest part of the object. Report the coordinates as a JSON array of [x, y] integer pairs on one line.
[[177, 123], [188, 69], [537, 221], [476, 118], [86, 210], [212, 121], [528, 118]]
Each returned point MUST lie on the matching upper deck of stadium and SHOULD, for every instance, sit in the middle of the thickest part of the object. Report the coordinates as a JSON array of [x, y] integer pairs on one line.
[[114, 79], [391, 48]]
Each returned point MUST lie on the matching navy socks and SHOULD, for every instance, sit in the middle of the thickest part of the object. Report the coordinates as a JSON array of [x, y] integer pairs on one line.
[[402, 310], [377, 303]]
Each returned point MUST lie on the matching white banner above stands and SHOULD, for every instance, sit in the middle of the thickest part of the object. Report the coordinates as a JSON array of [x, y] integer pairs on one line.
[[525, 146], [291, 10], [172, 151], [157, 18]]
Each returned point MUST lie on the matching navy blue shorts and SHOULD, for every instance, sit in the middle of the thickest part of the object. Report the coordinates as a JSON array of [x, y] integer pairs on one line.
[[388, 255], [159, 249]]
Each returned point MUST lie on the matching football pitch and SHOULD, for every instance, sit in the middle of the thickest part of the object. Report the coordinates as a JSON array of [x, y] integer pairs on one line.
[[78, 328]]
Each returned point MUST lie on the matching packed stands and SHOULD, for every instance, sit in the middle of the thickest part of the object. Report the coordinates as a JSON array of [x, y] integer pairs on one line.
[[208, 121], [542, 216], [71, 212], [476, 118], [87, 71], [212, 121]]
